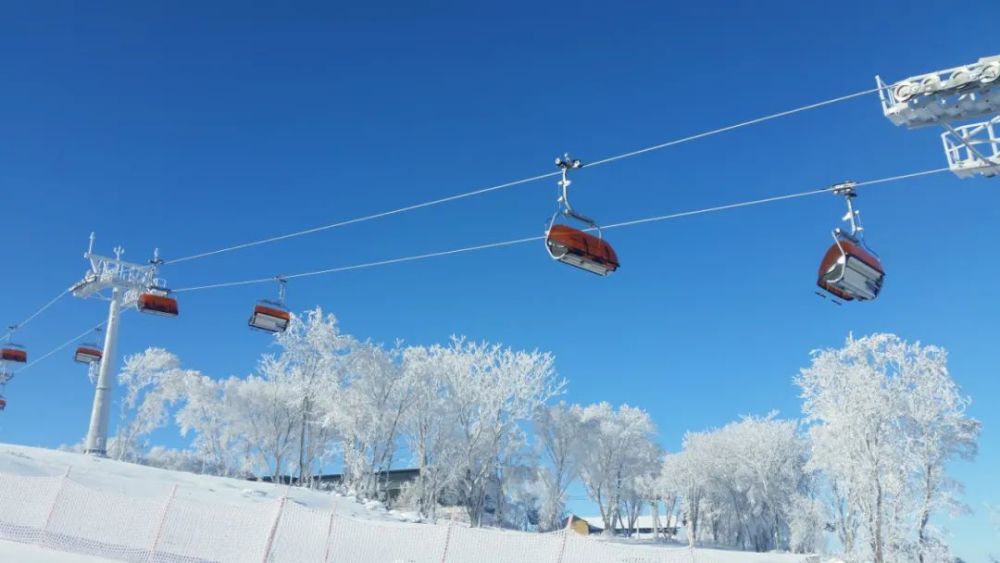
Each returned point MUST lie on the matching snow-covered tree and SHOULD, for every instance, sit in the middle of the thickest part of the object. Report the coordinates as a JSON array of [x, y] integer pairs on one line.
[[428, 429], [807, 524], [491, 391], [740, 483], [150, 380], [681, 476], [204, 415], [312, 365], [618, 452], [663, 498], [886, 418], [369, 415], [561, 433], [263, 415]]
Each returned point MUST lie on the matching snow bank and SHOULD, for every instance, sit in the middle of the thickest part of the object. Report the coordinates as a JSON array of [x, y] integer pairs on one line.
[[21, 553], [139, 481], [126, 512]]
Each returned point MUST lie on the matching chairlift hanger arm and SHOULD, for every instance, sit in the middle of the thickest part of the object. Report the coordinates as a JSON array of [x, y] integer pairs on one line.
[[565, 164], [853, 216]]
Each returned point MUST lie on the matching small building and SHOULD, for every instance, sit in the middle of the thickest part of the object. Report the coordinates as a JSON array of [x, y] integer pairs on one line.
[[392, 481], [582, 526], [644, 526]]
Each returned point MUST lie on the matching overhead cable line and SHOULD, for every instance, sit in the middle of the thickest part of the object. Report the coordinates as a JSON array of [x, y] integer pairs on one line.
[[62, 346], [513, 242], [34, 315], [514, 183], [728, 128]]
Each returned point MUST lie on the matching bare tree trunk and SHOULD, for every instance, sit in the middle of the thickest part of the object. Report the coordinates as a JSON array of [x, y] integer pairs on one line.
[[877, 536], [925, 512], [302, 439]]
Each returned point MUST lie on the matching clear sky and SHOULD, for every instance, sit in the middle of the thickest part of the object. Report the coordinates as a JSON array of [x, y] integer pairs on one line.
[[190, 126]]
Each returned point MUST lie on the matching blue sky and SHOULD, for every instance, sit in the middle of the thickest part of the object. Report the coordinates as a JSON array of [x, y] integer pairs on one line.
[[188, 126]]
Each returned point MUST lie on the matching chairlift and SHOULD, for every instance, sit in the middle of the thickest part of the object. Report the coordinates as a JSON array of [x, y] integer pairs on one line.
[[269, 315], [87, 355], [572, 246], [849, 269], [89, 352], [11, 352], [157, 301]]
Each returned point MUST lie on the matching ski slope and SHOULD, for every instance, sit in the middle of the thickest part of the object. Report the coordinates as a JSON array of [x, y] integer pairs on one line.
[[23, 553], [149, 482], [362, 532]]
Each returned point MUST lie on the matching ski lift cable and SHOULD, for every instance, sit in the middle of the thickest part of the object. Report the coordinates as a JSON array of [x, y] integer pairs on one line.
[[771, 199], [511, 184], [513, 242], [34, 315], [64, 345], [732, 127]]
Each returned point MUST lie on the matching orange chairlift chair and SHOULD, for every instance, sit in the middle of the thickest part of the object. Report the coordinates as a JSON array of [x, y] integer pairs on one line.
[[573, 246], [89, 352], [157, 301], [11, 352], [271, 316]]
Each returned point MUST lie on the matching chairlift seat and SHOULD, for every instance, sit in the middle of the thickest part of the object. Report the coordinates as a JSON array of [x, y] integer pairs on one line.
[[850, 272], [13, 353], [3, 403], [270, 317], [157, 304], [582, 250], [87, 354]]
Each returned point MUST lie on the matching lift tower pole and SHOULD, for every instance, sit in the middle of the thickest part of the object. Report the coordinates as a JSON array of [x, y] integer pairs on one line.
[[97, 432], [126, 281]]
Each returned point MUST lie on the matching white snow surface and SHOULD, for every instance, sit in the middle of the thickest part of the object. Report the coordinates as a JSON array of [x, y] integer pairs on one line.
[[139, 481], [21, 553]]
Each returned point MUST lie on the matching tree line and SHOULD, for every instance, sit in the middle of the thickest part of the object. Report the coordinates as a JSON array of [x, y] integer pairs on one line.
[[865, 466]]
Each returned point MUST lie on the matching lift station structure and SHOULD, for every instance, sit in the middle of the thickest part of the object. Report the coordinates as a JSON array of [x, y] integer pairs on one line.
[[952, 98], [124, 285]]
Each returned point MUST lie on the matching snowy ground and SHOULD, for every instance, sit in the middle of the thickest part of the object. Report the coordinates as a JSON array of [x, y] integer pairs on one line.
[[21, 553], [136, 482], [141, 481]]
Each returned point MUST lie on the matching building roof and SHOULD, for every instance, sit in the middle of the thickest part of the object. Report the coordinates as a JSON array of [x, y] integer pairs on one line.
[[644, 521]]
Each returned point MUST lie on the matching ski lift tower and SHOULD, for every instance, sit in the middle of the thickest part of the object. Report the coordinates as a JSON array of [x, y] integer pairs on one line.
[[126, 282], [952, 98]]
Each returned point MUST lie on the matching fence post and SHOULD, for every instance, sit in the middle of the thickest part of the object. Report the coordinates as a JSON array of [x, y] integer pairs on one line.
[[274, 528], [329, 528], [43, 538], [447, 538], [163, 520], [566, 533]]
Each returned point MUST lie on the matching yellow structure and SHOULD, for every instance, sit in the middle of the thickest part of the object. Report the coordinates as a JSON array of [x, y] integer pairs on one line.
[[579, 525]]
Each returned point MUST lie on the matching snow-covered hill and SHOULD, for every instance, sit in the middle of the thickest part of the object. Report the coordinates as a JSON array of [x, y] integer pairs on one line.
[[111, 510], [149, 482]]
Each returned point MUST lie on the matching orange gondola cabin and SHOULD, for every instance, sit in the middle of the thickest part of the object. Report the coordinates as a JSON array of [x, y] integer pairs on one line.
[[851, 272], [157, 301], [582, 250], [87, 354], [13, 353], [270, 317]]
